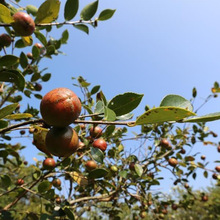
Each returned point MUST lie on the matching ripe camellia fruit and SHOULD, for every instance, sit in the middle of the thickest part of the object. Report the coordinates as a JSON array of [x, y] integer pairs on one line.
[[131, 166], [165, 143], [56, 182], [20, 182], [91, 165], [172, 162], [203, 157], [23, 24], [49, 163], [95, 132], [205, 198], [218, 148], [100, 143], [5, 40], [62, 142], [217, 168], [60, 107]]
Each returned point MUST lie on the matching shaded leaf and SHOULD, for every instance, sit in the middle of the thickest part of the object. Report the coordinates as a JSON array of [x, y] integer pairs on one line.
[[125, 103], [98, 173], [5, 15], [95, 89], [46, 77], [19, 116], [41, 37], [89, 11], [205, 118], [109, 114], [8, 110], [3, 124], [69, 213], [82, 27], [71, 8], [106, 14], [6, 181], [163, 114], [65, 37], [23, 60], [177, 101], [8, 60], [44, 186], [48, 11], [97, 155]]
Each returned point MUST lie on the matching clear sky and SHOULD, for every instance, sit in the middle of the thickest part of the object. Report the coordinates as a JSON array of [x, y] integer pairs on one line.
[[154, 47]]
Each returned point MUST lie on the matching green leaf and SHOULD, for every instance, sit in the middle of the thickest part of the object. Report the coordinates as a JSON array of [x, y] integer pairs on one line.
[[19, 116], [109, 130], [3, 124], [48, 11], [50, 194], [106, 14], [98, 173], [31, 9], [69, 213], [97, 155], [89, 11], [125, 117], [3, 153], [205, 174], [109, 114], [23, 60], [125, 103], [189, 158], [82, 27], [28, 40], [46, 77], [177, 101], [163, 114], [7, 110], [20, 44], [6, 181], [35, 52], [99, 107], [71, 8], [205, 118], [138, 169], [123, 174], [41, 37], [13, 76], [5, 15], [44, 186], [65, 37], [95, 89], [8, 60]]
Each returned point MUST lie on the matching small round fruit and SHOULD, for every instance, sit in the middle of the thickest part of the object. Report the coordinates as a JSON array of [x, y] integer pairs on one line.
[[182, 151], [95, 132], [218, 148], [56, 182], [49, 163], [5, 40], [131, 166], [215, 176], [217, 168], [114, 168], [20, 182], [174, 206], [205, 198], [38, 45], [62, 142], [58, 200], [203, 157], [25, 162], [100, 143], [29, 55], [91, 165], [23, 24], [165, 143], [143, 214], [173, 162], [38, 87], [81, 145], [186, 185], [60, 107], [22, 132]]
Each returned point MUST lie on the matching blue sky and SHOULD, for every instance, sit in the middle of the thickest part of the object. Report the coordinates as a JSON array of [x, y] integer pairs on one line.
[[150, 47]]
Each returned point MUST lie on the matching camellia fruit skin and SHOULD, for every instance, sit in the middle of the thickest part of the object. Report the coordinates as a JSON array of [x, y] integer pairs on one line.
[[62, 142], [5, 40], [173, 162], [95, 132], [49, 163], [56, 182], [60, 107], [23, 24], [100, 143], [91, 165]]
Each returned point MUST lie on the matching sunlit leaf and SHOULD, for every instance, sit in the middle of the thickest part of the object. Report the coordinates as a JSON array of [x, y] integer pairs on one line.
[[19, 116], [138, 169], [106, 14], [5, 15], [7, 110], [28, 41], [109, 114], [31, 9]]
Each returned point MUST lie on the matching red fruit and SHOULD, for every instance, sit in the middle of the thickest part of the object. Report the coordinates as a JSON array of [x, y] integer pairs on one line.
[[58, 200], [22, 132], [100, 143], [38, 45], [38, 86], [215, 176], [20, 182], [81, 145], [174, 206], [56, 182], [49, 163], [5, 40], [30, 56], [91, 165], [172, 162], [25, 162], [23, 24], [203, 157], [186, 185], [60, 107], [95, 132], [165, 143], [217, 168], [205, 198], [131, 166], [62, 142], [182, 151], [218, 148]]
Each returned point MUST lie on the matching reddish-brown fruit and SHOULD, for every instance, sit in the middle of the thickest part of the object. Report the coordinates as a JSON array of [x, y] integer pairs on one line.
[[165, 143], [30, 55], [38, 87], [215, 176], [143, 214], [20, 182], [23, 24], [182, 151], [62, 142], [22, 132], [5, 40], [173, 162], [205, 198], [25, 162], [56, 182], [49, 163], [38, 45], [218, 149], [58, 200], [217, 168], [174, 206], [91, 165], [164, 211], [100, 143], [95, 132], [186, 185], [131, 166], [203, 157], [82, 126], [81, 145], [60, 107]]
